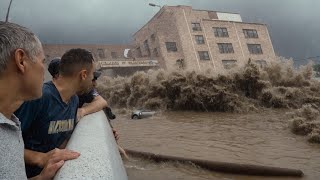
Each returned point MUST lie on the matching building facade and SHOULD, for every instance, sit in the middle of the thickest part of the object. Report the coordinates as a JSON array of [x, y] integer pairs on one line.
[[112, 59], [181, 37], [100, 52]]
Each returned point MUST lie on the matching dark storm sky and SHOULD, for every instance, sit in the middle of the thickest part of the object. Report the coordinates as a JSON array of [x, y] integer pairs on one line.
[[294, 25]]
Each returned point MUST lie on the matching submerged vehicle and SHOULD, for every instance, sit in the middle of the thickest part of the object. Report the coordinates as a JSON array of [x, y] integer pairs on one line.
[[142, 113]]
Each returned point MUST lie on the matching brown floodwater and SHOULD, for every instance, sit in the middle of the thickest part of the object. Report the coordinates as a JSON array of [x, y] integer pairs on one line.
[[260, 138]]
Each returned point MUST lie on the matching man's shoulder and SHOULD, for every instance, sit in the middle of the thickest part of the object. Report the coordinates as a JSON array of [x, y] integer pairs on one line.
[[48, 88], [49, 91], [75, 100]]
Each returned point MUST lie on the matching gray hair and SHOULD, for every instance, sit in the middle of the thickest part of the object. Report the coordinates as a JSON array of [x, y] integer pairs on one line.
[[12, 37]]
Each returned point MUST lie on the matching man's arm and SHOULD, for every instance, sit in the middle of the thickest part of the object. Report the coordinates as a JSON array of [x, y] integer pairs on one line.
[[33, 158], [50, 170], [41, 159], [96, 105]]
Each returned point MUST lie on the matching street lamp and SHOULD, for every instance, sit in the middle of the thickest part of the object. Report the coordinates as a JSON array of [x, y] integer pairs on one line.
[[154, 5], [7, 16]]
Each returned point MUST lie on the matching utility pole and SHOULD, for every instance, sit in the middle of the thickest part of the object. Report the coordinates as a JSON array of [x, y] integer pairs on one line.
[[7, 16]]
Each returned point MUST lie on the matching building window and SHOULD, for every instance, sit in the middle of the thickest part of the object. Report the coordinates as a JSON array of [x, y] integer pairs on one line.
[[220, 32], [199, 39], [153, 37], [230, 63], [196, 27], [146, 47], [204, 55], [101, 53], [254, 48], [250, 33], [114, 55], [261, 63], [171, 46], [155, 52], [225, 48], [139, 53]]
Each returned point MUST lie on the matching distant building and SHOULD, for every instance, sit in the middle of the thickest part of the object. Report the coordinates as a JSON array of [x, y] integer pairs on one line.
[[182, 37], [179, 37], [114, 59], [100, 52]]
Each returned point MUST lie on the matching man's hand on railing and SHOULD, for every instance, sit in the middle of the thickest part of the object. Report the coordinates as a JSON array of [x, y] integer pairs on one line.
[[108, 113], [57, 155], [51, 161], [110, 116], [50, 169]]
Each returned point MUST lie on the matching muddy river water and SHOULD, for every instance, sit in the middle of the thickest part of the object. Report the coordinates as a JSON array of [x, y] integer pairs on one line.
[[261, 138]]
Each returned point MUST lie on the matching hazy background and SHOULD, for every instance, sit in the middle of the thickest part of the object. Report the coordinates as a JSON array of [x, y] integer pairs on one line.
[[293, 24]]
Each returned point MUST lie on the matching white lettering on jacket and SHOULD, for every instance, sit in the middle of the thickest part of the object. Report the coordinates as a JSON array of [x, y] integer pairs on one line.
[[60, 126]]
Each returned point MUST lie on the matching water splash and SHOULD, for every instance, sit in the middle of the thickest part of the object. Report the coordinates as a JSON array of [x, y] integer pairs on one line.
[[279, 85], [306, 121]]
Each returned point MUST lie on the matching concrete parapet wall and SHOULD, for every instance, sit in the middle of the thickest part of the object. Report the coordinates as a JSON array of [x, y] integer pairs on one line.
[[100, 158]]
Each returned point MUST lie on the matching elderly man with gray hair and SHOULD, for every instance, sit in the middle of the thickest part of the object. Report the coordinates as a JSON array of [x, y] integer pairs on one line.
[[21, 79]]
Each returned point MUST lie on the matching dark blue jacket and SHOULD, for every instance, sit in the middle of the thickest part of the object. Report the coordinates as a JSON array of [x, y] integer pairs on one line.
[[46, 122]]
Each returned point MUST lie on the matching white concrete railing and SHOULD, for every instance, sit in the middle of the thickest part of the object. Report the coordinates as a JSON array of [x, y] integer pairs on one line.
[[100, 158]]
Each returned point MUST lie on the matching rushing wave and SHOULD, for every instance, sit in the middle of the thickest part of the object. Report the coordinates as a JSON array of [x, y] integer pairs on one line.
[[241, 89], [278, 85]]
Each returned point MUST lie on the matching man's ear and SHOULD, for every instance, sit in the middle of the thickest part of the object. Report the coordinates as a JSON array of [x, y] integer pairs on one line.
[[83, 74], [20, 58]]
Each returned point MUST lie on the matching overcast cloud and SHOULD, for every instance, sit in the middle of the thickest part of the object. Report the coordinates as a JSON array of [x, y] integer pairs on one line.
[[294, 25]]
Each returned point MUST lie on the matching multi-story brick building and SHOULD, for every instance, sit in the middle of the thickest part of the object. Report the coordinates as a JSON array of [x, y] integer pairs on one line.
[[182, 37]]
